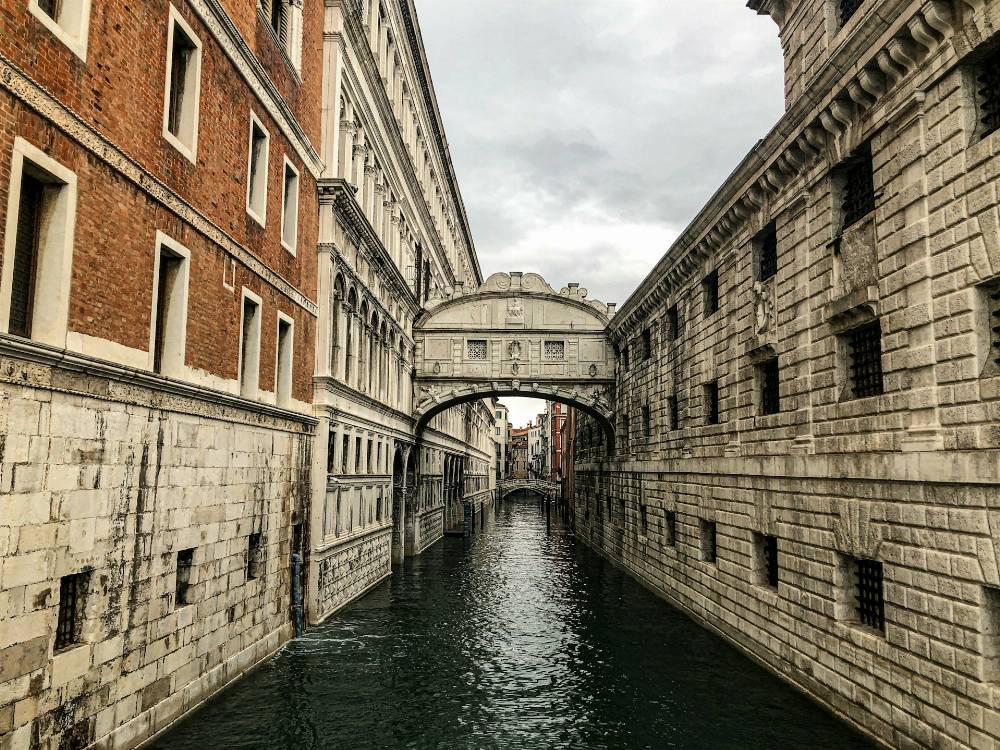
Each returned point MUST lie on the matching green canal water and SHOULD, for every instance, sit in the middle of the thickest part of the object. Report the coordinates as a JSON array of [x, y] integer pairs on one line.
[[516, 640]]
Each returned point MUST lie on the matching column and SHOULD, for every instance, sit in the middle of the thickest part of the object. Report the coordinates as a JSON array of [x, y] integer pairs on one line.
[[351, 450], [354, 323], [338, 448], [343, 320]]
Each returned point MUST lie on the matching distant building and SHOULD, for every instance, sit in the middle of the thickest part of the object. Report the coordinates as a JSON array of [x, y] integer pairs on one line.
[[501, 436], [519, 452], [556, 441]]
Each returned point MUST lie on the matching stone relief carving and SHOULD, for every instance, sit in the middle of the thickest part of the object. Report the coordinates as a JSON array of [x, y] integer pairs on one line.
[[763, 308]]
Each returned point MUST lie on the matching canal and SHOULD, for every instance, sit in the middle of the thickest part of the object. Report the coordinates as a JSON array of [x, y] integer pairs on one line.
[[520, 640]]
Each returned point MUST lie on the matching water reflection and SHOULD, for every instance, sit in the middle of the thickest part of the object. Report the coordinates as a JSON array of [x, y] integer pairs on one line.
[[520, 640]]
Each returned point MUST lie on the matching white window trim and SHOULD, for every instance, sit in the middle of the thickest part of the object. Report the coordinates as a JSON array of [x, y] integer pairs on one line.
[[286, 164], [253, 383], [260, 218], [174, 367], [285, 399], [191, 152], [76, 41], [50, 312]]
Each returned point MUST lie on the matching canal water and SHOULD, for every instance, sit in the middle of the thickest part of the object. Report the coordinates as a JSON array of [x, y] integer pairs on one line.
[[517, 640]]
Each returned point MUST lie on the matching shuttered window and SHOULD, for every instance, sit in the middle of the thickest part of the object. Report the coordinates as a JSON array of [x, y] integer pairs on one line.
[[25, 256]]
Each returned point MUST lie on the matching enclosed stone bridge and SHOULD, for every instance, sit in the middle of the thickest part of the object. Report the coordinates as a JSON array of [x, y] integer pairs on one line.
[[515, 336], [538, 486]]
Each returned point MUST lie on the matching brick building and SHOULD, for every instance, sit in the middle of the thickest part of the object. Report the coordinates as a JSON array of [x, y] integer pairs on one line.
[[807, 454], [157, 323]]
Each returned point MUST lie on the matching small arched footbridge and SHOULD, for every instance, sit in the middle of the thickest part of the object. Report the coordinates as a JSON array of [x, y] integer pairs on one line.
[[538, 486], [515, 336]]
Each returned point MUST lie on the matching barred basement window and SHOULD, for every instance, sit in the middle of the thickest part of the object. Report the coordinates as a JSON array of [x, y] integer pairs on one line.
[[709, 549], [710, 289], [670, 528], [864, 352], [673, 324], [711, 402], [675, 417], [255, 556], [182, 588], [477, 349], [848, 9], [988, 92], [767, 559], [767, 252], [647, 344], [72, 606], [555, 350], [868, 592], [857, 179], [768, 379]]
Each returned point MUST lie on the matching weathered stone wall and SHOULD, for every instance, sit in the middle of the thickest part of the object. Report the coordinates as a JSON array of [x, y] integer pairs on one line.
[[352, 567], [117, 485], [431, 528]]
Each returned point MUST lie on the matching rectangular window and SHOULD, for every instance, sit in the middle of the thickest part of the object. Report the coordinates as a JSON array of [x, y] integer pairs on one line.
[[766, 245], [182, 588], [864, 360], [38, 246], [768, 379], [647, 428], [766, 548], [673, 324], [255, 556], [643, 520], [710, 400], [709, 548], [257, 170], [555, 350], [169, 306], [183, 88], [856, 177], [670, 528], [847, 8], [477, 349], [249, 346], [283, 364], [989, 634], [72, 606], [625, 358], [68, 20], [710, 290], [866, 587], [988, 92], [626, 430], [672, 407], [290, 207], [647, 344], [277, 17]]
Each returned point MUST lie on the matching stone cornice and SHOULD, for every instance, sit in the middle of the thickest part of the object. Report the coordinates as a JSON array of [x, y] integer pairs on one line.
[[59, 115], [128, 385], [818, 130]]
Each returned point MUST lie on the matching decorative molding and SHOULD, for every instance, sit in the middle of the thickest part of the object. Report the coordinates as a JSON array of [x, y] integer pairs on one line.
[[60, 116]]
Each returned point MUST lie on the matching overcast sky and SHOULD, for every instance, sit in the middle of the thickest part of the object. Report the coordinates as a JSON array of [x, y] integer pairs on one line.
[[586, 134]]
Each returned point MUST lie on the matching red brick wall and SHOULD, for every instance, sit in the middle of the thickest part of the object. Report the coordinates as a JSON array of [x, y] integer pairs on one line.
[[119, 91]]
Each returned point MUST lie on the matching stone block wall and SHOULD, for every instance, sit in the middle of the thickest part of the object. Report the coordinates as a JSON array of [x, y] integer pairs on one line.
[[352, 568], [114, 486]]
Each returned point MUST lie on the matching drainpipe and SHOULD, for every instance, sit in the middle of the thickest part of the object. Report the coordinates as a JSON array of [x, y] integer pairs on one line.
[[297, 593]]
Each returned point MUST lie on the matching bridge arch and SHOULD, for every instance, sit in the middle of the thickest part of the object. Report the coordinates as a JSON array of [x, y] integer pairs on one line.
[[515, 336]]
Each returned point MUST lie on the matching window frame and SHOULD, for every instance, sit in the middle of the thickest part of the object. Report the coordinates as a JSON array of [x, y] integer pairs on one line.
[[177, 356], [286, 165], [251, 388], [260, 216], [711, 298], [283, 390], [54, 261], [76, 39], [190, 151]]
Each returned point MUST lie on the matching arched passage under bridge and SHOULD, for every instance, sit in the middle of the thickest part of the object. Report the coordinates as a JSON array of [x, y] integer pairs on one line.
[[515, 336]]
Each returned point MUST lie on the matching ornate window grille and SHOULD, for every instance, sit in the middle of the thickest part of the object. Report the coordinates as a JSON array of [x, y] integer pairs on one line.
[[869, 598], [865, 360], [185, 561], [769, 549], [555, 350], [770, 399], [848, 9], [988, 85], [477, 349], [72, 599], [767, 259], [712, 402], [858, 198], [710, 286]]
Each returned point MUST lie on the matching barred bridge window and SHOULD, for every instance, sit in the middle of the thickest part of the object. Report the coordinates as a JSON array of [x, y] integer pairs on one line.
[[769, 552], [711, 402], [858, 197], [767, 253], [709, 548], [848, 9], [675, 418], [673, 324], [864, 348], [710, 287], [72, 603], [988, 89], [185, 561], [868, 596], [770, 398], [994, 307]]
